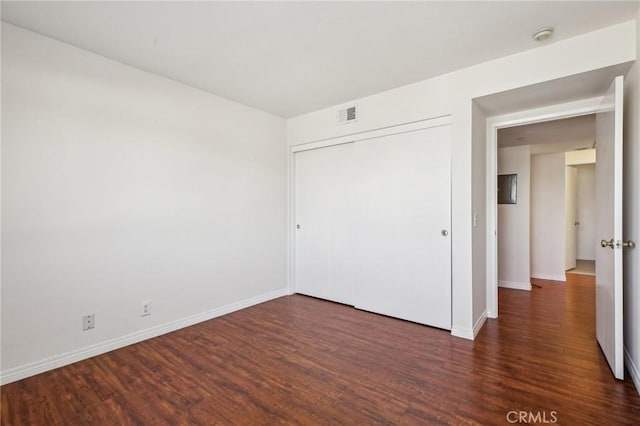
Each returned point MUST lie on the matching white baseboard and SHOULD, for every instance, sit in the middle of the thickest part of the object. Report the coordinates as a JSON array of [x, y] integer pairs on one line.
[[469, 333], [50, 363], [515, 285], [633, 369], [463, 332], [562, 277], [478, 325]]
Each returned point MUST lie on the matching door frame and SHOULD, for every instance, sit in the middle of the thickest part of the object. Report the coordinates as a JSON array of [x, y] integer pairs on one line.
[[570, 217], [494, 123], [428, 123]]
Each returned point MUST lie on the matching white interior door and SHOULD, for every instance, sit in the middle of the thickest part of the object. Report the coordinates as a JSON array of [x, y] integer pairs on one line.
[[324, 214], [403, 243], [609, 228], [571, 216]]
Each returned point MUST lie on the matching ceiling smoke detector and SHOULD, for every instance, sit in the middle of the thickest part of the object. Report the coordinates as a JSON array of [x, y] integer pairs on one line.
[[543, 34]]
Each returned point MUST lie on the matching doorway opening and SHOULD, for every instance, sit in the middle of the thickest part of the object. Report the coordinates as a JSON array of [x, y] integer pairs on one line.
[[546, 224], [608, 281], [580, 223], [537, 116]]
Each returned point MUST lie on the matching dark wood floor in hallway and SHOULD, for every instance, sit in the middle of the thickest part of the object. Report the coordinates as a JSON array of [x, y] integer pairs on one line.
[[299, 360]]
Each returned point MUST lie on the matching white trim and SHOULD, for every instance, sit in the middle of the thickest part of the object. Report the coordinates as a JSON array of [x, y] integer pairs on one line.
[[374, 133], [291, 217], [561, 278], [33, 368], [618, 288], [632, 369], [478, 325], [514, 285], [470, 333], [538, 115], [463, 332], [491, 225]]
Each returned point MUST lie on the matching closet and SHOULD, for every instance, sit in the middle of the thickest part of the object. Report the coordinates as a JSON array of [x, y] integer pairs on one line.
[[372, 220]]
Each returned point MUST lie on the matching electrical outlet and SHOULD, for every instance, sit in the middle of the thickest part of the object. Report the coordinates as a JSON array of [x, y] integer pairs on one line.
[[146, 308], [88, 322]]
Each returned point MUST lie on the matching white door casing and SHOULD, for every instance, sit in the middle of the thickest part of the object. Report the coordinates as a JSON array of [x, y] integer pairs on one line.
[[537, 115], [609, 319], [571, 216]]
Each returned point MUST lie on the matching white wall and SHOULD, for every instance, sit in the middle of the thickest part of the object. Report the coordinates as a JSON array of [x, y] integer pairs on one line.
[[120, 186], [513, 221], [631, 229], [547, 216], [586, 231], [453, 94]]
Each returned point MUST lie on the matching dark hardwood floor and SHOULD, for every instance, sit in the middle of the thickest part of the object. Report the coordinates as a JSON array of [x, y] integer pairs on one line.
[[299, 360]]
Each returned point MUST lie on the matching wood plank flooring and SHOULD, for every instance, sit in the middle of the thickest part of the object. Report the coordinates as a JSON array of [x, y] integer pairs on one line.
[[299, 360]]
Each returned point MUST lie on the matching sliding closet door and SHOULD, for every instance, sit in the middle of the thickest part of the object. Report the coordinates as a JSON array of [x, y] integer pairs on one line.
[[402, 233], [324, 212]]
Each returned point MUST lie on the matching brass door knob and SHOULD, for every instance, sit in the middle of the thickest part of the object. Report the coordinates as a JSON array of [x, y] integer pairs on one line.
[[629, 244], [605, 243]]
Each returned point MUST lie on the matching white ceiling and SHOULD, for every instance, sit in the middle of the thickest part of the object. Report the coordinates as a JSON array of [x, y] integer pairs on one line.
[[289, 58], [552, 136]]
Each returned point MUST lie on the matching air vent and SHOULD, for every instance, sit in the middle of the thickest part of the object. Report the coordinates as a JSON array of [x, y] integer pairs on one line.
[[347, 115]]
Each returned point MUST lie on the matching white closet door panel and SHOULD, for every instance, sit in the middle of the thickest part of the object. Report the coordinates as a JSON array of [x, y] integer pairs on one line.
[[403, 258], [324, 211]]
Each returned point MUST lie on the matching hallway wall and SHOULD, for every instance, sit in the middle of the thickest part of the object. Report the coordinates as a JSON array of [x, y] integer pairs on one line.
[[547, 216], [513, 221]]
